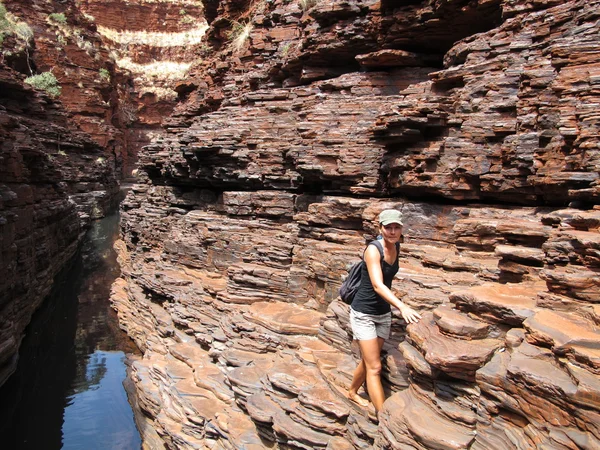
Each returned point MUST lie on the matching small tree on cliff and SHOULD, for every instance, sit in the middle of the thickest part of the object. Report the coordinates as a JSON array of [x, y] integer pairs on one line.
[[45, 81], [11, 25]]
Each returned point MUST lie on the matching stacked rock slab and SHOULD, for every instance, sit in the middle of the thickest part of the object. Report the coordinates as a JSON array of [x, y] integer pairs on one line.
[[269, 180], [154, 42]]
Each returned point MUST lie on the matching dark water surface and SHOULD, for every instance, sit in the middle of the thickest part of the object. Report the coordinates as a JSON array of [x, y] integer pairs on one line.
[[68, 389]]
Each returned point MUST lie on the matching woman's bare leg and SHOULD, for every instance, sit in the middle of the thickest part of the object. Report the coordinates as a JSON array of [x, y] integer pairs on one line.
[[358, 380], [370, 357]]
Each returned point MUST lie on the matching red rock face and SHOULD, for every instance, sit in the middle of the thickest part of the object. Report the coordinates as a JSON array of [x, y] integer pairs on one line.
[[74, 53], [231, 293], [477, 122], [154, 42], [476, 119], [142, 16]]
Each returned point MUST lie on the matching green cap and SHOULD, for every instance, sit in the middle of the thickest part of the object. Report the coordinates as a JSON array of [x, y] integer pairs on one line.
[[390, 216]]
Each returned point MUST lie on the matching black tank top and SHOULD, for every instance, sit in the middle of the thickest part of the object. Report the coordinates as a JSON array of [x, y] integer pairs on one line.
[[366, 300]]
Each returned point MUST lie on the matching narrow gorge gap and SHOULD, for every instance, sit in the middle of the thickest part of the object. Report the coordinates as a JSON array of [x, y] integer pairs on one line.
[[67, 391]]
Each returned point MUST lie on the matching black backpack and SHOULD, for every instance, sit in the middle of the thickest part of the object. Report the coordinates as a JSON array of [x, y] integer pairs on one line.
[[350, 286]]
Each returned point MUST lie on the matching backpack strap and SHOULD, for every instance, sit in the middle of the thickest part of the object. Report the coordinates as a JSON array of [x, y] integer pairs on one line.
[[377, 243]]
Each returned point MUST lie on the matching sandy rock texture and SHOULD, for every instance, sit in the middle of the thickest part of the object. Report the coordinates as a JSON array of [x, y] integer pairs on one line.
[[477, 120]]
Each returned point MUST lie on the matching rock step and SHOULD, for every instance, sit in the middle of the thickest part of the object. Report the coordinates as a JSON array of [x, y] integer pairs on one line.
[[248, 380], [408, 422], [523, 255], [207, 376], [504, 303], [394, 369], [455, 323], [530, 378], [187, 412], [576, 282], [337, 368], [276, 425], [290, 402], [450, 259], [284, 318], [567, 334], [457, 357], [255, 283], [423, 288], [576, 218]]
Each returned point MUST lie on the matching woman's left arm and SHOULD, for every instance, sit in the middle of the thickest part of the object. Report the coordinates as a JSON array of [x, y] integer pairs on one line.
[[373, 261]]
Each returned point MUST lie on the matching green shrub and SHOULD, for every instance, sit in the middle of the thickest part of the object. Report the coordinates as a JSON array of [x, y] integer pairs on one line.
[[45, 81], [23, 31], [3, 19], [9, 24], [104, 74], [285, 48], [58, 18]]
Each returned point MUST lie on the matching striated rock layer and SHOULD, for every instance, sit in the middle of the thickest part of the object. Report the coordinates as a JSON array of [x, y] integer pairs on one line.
[[62, 153], [67, 44], [268, 183]]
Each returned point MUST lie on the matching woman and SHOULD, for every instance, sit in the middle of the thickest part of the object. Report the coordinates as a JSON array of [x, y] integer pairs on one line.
[[370, 312]]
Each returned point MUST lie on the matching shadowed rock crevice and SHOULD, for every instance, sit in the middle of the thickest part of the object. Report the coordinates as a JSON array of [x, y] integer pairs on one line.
[[54, 179], [435, 27]]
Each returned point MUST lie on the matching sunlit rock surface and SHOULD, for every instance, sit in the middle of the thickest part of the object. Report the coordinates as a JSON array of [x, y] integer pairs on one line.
[[479, 122], [66, 43]]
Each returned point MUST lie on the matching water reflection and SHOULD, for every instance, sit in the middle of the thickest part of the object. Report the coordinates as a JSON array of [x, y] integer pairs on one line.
[[68, 389], [100, 403]]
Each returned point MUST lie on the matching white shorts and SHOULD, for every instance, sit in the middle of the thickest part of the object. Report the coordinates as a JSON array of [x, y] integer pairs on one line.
[[370, 326]]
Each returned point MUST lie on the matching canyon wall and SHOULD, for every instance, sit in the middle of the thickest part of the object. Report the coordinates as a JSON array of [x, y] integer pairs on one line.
[[54, 179], [479, 121], [60, 155], [65, 43], [108, 77], [154, 43]]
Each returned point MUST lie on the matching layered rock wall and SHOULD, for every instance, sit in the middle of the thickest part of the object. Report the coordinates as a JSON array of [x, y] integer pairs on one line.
[[63, 152], [66, 43], [267, 185]]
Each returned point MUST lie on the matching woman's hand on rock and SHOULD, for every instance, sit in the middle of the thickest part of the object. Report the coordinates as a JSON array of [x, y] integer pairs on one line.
[[409, 314]]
